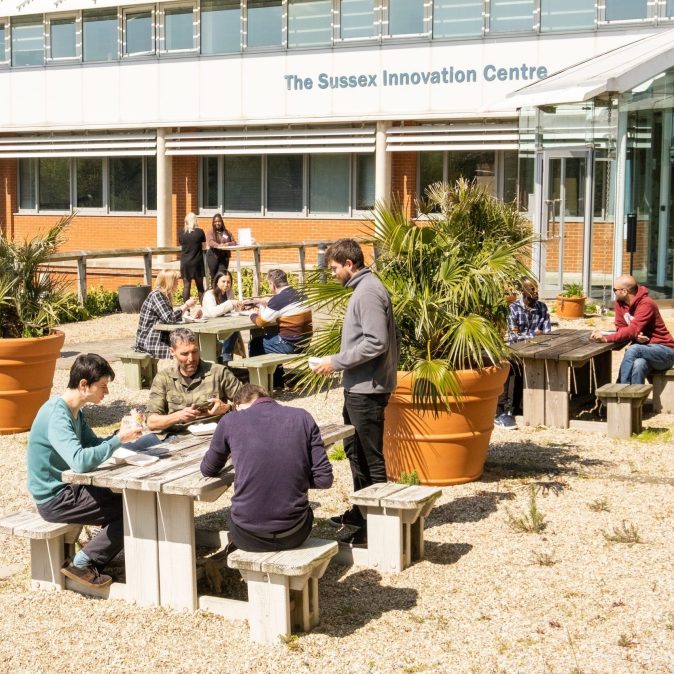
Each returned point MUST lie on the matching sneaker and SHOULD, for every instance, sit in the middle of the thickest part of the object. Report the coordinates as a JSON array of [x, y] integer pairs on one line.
[[506, 421], [89, 576], [348, 518], [358, 537]]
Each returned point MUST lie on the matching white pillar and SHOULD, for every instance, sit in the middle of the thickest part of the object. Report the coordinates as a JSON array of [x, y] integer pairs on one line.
[[665, 177], [622, 195], [382, 165], [163, 191]]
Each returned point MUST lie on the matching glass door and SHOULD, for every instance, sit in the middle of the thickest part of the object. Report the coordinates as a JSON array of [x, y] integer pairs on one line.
[[564, 218]]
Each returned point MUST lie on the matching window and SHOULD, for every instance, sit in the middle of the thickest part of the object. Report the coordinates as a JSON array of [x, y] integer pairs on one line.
[[511, 15], [27, 41], [510, 176], [243, 183], [209, 183], [220, 26], [179, 28], [329, 183], [54, 183], [617, 10], [100, 35], [669, 9], [27, 184], [265, 18], [126, 184], [365, 187], [89, 180], [63, 38], [356, 19], [3, 53], [567, 14], [138, 32], [431, 170], [457, 17], [309, 22], [284, 183], [150, 184], [405, 17]]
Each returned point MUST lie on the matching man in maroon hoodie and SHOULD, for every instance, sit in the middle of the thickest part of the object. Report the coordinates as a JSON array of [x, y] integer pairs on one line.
[[638, 320]]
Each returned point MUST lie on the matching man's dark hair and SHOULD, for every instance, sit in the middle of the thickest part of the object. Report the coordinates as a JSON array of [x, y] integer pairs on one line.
[[346, 249], [277, 277], [182, 335], [91, 367], [249, 392]]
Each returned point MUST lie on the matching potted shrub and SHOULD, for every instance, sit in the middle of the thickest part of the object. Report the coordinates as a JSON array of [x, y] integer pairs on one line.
[[32, 302], [448, 279], [571, 302]]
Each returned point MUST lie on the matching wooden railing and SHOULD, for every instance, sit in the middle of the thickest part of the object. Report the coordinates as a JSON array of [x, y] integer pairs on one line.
[[81, 257]]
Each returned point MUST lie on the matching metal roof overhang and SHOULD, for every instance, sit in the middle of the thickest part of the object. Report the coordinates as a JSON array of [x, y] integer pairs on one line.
[[615, 71]]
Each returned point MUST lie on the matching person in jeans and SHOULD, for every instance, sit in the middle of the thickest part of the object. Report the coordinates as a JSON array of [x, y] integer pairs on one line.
[[278, 455], [638, 320], [368, 357], [287, 316], [60, 439]]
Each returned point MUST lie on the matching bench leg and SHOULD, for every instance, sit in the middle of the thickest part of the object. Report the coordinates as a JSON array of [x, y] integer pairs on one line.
[[133, 376], [663, 394], [417, 536], [533, 398], [620, 419], [385, 540], [637, 416], [269, 605], [557, 395], [46, 559], [148, 372]]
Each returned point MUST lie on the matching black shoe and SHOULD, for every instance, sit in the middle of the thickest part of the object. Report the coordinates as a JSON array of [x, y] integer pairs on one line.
[[349, 518], [89, 576], [358, 537]]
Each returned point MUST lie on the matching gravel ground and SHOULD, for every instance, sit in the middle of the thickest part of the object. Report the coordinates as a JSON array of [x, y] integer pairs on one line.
[[486, 598]]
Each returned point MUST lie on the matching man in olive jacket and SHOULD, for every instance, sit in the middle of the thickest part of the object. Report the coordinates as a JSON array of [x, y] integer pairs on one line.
[[368, 357]]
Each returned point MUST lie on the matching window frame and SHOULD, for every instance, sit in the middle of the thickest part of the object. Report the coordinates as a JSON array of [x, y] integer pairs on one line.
[[245, 23], [138, 9], [594, 27], [23, 20], [651, 15], [7, 61], [377, 18], [77, 16], [384, 23], [119, 32], [331, 31], [535, 22], [160, 43]]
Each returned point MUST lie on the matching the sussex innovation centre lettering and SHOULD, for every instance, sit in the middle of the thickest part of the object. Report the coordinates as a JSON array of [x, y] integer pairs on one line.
[[447, 75]]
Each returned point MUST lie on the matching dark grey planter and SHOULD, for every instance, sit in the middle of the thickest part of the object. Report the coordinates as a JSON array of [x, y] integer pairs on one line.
[[131, 298]]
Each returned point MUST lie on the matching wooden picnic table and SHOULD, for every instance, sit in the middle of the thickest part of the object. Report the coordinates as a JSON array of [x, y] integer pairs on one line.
[[159, 532], [209, 330], [554, 362]]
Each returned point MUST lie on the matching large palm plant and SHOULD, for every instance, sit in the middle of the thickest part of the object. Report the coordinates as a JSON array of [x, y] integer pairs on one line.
[[448, 279], [31, 298]]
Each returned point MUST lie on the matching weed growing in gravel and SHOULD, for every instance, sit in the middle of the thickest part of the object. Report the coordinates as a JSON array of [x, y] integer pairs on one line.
[[291, 641], [625, 533], [599, 505], [544, 558], [409, 478], [337, 453], [670, 622], [654, 435], [532, 522], [627, 641]]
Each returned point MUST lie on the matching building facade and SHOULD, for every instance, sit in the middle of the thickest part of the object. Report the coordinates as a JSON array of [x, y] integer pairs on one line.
[[293, 117]]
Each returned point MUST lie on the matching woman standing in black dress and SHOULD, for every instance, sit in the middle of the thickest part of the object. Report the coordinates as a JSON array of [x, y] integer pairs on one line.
[[192, 240], [219, 238]]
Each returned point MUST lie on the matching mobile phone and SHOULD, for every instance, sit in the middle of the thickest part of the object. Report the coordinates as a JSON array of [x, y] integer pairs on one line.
[[205, 406]]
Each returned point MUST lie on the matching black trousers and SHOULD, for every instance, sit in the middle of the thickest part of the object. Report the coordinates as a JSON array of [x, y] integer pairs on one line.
[[252, 542], [511, 398], [187, 288], [82, 504], [365, 449], [216, 264]]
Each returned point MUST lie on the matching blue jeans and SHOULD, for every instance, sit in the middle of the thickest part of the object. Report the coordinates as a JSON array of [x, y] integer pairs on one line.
[[272, 343], [227, 347], [642, 359]]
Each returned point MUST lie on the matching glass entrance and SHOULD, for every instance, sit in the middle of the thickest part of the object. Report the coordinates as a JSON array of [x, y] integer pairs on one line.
[[564, 218]]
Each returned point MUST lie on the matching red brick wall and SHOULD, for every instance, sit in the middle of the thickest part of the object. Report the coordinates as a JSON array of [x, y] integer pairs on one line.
[[8, 195], [185, 199], [404, 180]]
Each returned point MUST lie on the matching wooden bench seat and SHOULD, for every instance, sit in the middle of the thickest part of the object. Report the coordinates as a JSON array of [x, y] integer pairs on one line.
[[624, 407], [395, 524], [139, 369], [49, 545], [283, 587], [663, 391], [261, 368]]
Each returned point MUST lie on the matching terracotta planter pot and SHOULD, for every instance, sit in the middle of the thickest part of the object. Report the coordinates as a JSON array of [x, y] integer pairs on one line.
[[450, 448], [26, 376], [570, 307]]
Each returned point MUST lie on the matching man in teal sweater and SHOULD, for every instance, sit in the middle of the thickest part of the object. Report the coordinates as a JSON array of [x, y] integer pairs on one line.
[[60, 439]]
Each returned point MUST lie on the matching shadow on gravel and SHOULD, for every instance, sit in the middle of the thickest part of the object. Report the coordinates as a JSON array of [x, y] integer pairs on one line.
[[467, 508], [445, 553], [349, 604]]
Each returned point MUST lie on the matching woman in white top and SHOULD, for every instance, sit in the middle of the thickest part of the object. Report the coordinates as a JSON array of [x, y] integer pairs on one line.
[[220, 301]]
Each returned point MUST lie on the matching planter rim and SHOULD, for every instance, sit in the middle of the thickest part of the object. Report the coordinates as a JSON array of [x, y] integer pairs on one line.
[[54, 334], [575, 297]]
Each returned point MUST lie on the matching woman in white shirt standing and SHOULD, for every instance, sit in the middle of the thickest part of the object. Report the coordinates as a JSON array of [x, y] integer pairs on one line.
[[220, 301]]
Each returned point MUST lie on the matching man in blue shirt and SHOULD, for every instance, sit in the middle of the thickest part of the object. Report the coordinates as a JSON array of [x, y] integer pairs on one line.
[[528, 317]]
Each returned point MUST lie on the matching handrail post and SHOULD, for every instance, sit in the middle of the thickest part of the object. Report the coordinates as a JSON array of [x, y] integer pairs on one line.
[[256, 276], [82, 279], [302, 263], [147, 263], [320, 259], [239, 280]]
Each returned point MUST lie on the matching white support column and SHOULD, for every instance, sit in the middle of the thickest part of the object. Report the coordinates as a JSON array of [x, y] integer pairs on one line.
[[382, 165], [665, 177], [164, 190], [621, 195]]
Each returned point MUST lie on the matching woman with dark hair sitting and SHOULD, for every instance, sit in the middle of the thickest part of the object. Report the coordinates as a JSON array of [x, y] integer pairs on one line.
[[219, 301], [60, 439]]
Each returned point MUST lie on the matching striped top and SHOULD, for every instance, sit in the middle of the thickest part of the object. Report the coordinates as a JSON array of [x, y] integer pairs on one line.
[[287, 310]]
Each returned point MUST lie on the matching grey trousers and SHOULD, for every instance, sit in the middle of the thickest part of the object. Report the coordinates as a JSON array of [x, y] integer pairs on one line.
[[82, 504]]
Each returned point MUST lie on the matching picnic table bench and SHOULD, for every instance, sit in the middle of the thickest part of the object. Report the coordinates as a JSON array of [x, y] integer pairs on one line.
[[624, 407], [261, 368], [548, 361]]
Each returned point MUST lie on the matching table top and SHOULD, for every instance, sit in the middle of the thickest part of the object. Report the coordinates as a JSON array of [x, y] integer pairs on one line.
[[565, 345], [177, 471], [210, 325]]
